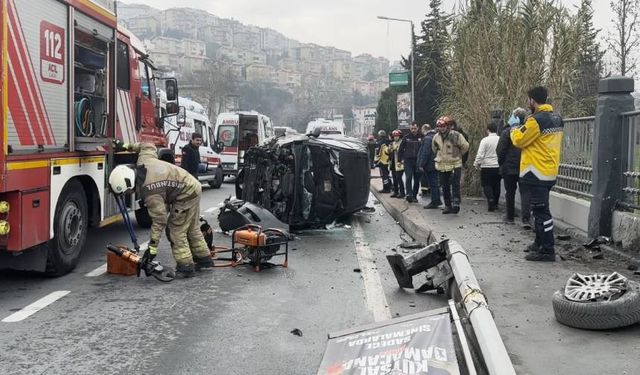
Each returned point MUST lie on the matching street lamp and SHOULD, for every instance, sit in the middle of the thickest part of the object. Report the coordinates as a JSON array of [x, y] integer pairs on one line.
[[413, 102]]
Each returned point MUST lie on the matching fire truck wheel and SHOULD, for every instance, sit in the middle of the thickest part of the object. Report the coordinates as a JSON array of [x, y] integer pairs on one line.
[[217, 183], [143, 218], [69, 231]]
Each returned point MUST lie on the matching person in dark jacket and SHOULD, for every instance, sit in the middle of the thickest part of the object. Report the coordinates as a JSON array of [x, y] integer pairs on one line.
[[427, 165], [408, 155], [453, 125], [509, 160], [191, 155], [371, 148], [424, 182]]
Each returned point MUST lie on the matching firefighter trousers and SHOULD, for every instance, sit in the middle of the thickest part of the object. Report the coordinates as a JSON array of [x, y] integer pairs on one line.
[[183, 232]]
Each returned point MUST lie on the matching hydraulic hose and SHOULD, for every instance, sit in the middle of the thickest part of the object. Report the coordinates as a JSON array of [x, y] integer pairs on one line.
[[84, 117]]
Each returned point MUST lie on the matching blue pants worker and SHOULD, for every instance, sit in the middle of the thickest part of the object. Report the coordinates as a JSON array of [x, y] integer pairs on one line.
[[412, 175], [539, 198]]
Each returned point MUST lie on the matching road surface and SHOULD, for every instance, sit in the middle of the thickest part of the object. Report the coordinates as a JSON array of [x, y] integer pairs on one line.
[[224, 321]]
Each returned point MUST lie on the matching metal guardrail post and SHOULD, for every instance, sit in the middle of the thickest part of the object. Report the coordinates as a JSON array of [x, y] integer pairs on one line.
[[493, 350], [614, 98]]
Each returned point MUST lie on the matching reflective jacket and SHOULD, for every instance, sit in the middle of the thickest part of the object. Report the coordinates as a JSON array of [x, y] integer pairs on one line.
[[449, 150], [160, 184], [395, 149], [383, 154], [540, 139]]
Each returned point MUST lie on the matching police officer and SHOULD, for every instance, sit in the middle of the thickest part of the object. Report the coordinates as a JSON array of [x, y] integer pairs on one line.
[[165, 186]]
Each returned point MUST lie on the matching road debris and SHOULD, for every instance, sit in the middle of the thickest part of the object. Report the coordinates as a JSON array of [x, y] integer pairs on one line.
[[564, 237], [595, 242], [296, 332], [357, 270], [411, 245], [598, 301]]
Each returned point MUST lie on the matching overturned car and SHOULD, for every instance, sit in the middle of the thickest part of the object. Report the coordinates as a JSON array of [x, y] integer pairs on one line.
[[306, 181]]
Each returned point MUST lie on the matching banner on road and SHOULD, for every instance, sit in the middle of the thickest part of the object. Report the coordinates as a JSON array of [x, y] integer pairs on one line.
[[404, 110], [421, 346]]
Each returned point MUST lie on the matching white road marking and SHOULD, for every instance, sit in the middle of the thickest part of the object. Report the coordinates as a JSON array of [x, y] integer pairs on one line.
[[35, 307], [98, 271], [103, 268], [376, 299], [211, 209]]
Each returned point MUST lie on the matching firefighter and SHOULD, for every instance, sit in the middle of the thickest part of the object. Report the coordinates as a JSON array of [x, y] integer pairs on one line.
[[165, 186], [396, 165]]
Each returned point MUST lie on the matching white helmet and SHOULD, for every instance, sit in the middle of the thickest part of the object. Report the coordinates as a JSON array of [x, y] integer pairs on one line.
[[122, 179]]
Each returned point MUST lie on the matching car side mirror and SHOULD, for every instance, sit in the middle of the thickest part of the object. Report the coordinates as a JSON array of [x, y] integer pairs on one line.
[[172, 108], [171, 88]]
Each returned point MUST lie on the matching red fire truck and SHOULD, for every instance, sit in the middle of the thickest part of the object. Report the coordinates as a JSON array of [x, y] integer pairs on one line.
[[72, 80]]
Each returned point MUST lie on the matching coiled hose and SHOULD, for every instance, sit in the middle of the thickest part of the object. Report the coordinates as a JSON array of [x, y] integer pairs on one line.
[[84, 117]]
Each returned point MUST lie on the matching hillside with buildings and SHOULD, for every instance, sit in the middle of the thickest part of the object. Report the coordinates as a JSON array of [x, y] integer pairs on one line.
[[190, 43]]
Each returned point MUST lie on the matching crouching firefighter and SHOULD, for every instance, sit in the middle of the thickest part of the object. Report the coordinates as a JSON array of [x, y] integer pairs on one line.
[[163, 186]]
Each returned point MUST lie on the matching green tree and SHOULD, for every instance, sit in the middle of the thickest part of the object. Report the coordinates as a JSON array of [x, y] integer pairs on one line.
[[387, 111], [584, 89], [430, 56], [497, 50]]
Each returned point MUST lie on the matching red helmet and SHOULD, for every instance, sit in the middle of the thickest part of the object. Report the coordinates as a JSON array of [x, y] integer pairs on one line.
[[396, 133]]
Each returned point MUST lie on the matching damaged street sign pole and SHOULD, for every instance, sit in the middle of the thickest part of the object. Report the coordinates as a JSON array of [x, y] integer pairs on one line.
[[493, 350], [444, 261]]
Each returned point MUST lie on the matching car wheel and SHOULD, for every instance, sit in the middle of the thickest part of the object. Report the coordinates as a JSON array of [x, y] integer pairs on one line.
[[217, 183], [619, 310], [70, 228]]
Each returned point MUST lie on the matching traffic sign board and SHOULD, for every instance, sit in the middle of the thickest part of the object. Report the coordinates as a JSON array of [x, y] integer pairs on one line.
[[399, 78]]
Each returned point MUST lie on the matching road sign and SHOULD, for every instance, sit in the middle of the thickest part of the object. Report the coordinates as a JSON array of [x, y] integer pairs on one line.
[[399, 78]]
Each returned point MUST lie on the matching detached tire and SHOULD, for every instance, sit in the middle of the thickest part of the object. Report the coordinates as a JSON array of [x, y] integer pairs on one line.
[[217, 183], [621, 312], [70, 228], [143, 218]]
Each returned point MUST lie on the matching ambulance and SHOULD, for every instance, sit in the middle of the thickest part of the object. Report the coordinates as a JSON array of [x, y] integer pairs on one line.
[[239, 131]]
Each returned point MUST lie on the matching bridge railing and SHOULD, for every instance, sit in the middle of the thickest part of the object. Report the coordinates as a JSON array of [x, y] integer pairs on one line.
[[575, 174], [631, 164]]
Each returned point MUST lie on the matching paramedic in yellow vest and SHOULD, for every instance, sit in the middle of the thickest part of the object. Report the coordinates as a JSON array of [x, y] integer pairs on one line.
[[540, 139]]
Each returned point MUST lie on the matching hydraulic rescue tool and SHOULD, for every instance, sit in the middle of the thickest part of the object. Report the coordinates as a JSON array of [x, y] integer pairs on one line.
[[258, 246], [131, 257]]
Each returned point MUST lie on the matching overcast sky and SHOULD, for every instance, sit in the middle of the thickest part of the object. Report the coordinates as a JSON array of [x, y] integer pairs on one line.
[[347, 24]]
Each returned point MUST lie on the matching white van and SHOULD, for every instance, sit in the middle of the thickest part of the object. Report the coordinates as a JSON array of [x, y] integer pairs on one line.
[[239, 131], [326, 126], [179, 130]]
